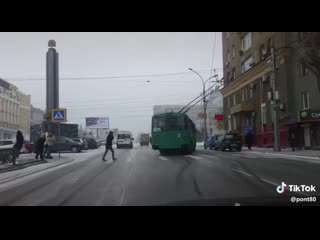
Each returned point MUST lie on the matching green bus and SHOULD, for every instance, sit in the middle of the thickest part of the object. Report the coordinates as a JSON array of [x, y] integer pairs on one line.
[[172, 132]]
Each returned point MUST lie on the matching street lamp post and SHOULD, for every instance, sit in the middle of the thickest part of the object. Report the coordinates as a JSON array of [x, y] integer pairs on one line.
[[204, 101]]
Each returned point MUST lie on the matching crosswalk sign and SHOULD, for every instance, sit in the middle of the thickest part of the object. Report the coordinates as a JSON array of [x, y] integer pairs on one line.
[[59, 115]]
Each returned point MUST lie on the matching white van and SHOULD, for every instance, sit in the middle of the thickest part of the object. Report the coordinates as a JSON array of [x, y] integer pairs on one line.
[[124, 139]]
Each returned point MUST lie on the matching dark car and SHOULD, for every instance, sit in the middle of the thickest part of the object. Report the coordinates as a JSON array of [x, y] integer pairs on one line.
[[83, 143], [66, 144], [229, 141], [92, 143]]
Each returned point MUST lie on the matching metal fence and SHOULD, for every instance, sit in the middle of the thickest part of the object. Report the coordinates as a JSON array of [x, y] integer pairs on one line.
[[7, 156]]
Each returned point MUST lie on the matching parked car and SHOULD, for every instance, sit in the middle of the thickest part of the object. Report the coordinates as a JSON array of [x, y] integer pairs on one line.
[[92, 143], [228, 141], [210, 143], [66, 144], [83, 142], [28, 147], [7, 143]]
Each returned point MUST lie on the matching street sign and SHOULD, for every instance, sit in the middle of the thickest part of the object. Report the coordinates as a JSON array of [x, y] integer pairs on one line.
[[59, 115]]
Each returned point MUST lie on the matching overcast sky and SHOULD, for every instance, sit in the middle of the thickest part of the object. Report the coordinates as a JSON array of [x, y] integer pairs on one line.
[[127, 101]]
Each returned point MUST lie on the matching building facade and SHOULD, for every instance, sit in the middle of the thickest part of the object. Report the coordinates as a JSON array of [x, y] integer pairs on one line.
[[14, 111], [25, 115], [9, 110], [36, 116], [248, 75]]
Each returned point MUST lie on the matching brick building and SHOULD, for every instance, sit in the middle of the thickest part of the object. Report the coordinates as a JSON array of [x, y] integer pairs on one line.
[[247, 71]]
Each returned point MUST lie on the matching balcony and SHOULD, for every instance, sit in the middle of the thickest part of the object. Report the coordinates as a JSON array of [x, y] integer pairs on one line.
[[242, 107]]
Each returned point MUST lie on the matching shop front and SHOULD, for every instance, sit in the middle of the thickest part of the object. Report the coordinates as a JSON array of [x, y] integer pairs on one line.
[[310, 122]]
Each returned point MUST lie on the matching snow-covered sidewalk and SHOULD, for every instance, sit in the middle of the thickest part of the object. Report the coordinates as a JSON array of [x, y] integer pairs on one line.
[[302, 154], [27, 164]]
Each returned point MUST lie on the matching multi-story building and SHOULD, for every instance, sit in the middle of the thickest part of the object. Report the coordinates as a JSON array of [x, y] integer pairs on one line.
[[36, 116], [214, 110], [9, 110], [248, 71], [14, 111], [25, 115]]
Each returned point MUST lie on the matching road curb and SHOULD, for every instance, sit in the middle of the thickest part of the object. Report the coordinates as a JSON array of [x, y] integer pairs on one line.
[[27, 174], [287, 155]]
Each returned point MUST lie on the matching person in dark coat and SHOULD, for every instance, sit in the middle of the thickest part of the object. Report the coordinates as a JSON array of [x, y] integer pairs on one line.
[[292, 140], [39, 147], [109, 146], [19, 143], [249, 140]]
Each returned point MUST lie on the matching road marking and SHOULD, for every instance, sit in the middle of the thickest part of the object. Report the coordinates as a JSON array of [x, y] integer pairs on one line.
[[205, 155], [242, 172], [122, 197], [194, 157], [237, 155], [163, 158], [250, 156], [267, 181]]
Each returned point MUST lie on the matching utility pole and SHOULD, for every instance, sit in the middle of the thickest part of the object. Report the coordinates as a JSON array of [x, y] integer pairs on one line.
[[274, 106]]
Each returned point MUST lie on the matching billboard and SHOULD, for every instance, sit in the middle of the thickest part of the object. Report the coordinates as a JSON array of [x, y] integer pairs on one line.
[[96, 122]]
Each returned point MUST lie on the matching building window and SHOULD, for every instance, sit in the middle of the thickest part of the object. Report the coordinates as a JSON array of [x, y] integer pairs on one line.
[[246, 42], [262, 52], [228, 76], [263, 113], [233, 52], [228, 57], [233, 74], [228, 35], [234, 99], [305, 100], [246, 93], [243, 97], [234, 122], [228, 101], [247, 64], [303, 69], [251, 93]]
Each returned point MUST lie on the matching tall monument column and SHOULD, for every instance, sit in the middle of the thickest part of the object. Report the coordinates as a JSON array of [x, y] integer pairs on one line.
[[52, 100]]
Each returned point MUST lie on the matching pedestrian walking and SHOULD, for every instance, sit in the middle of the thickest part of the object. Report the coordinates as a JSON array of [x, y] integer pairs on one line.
[[249, 140], [109, 146], [50, 141], [292, 140], [19, 143], [39, 147]]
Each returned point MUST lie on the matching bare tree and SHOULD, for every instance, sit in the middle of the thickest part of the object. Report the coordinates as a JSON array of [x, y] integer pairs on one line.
[[311, 42]]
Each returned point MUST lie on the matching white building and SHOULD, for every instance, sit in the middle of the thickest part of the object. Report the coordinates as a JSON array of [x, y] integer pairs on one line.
[[215, 107], [36, 116]]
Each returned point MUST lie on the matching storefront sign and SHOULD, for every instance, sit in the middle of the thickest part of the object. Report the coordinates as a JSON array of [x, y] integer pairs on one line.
[[309, 115]]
